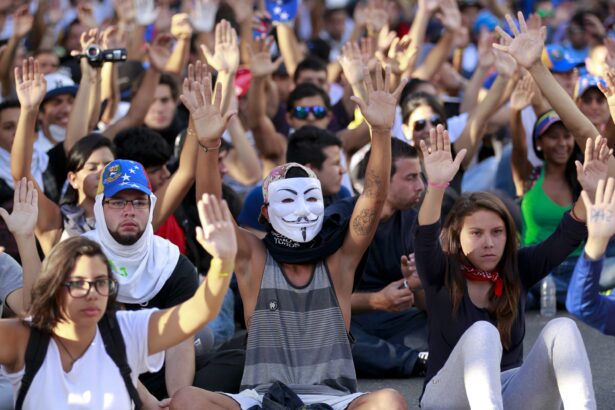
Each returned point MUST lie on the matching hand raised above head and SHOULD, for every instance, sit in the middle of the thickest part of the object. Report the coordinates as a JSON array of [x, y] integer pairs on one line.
[[601, 213], [226, 51], [205, 112], [595, 164], [31, 85], [22, 221], [528, 41], [438, 159], [379, 110], [260, 58], [217, 232]]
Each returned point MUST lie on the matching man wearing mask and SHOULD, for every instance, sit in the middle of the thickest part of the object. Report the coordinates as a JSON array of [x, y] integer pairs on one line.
[[297, 282]]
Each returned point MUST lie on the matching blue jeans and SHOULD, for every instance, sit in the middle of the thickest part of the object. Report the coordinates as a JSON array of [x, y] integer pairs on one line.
[[386, 343], [218, 331], [561, 275]]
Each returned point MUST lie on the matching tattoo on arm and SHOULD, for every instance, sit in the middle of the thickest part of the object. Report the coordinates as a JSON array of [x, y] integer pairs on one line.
[[363, 223], [373, 185]]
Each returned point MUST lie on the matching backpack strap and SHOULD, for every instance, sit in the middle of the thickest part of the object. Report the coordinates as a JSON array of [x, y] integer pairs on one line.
[[35, 356], [116, 349]]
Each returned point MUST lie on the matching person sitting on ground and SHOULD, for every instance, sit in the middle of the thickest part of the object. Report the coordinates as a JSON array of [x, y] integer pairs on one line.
[[584, 299], [388, 323], [297, 282], [475, 282], [75, 293]]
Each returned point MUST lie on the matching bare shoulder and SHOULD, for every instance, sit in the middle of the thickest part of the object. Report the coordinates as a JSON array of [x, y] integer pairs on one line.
[[14, 335]]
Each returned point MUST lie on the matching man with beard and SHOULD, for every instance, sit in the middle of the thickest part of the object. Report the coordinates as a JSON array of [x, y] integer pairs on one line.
[[296, 283]]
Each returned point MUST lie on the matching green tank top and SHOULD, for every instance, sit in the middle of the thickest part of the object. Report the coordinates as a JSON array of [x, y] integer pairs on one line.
[[541, 215]]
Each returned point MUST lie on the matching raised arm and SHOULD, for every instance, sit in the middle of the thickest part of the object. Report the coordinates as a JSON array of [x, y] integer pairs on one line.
[[86, 100], [31, 88], [158, 53], [182, 31], [379, 113], [526, 48], [21, 223], [217, 236], [486, 59], [584, 299], [521, 167], [22, 24], [440, 169], [270, 144]]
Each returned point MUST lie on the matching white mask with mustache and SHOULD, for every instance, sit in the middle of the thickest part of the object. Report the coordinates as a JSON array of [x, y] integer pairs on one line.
[[296, 208]]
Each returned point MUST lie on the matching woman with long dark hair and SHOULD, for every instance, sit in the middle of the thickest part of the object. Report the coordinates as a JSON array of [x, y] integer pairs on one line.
[[75, 293], [475, 280]]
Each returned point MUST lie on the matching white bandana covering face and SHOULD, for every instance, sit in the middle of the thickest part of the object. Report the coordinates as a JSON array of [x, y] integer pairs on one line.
[[296, 208]]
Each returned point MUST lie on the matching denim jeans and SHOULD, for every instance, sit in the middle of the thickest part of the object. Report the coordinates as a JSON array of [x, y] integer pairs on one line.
[[387, 343], [218, 331]]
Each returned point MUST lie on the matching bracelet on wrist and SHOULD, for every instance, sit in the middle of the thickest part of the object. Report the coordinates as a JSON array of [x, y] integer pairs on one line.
[[440, 186], [207, 149], [217, 265]]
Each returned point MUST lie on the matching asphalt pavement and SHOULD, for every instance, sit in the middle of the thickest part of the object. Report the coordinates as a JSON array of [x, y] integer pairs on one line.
[[600, 349]]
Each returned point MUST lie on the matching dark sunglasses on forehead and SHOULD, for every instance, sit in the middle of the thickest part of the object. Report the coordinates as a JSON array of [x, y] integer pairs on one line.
[[301, 113], [419, 125]]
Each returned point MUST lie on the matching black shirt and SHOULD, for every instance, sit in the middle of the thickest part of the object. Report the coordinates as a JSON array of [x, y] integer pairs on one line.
[[446, 328], [393, 239]]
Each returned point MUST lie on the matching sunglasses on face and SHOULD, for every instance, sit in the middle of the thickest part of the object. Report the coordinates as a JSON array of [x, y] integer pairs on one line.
[[301, 113], [419, 125]]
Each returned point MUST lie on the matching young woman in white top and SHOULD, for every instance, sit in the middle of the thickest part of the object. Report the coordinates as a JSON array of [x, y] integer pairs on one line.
[[72, 294]]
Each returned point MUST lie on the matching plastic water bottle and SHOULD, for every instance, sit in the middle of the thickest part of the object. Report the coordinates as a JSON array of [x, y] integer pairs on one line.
[[548, 302]]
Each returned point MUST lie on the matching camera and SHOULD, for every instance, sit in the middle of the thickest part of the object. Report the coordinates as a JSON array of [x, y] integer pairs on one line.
[[96, 56]]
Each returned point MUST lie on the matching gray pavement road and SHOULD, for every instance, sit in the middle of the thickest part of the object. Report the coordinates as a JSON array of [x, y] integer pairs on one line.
[[600, 349]]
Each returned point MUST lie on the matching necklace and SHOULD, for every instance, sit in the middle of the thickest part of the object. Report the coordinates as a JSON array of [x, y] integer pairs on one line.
[[72, 358]]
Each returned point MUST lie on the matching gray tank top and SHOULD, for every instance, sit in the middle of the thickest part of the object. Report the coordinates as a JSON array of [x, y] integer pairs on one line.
[[297, 336]]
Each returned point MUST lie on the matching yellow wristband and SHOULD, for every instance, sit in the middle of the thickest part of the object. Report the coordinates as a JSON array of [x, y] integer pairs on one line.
[[216, 266]]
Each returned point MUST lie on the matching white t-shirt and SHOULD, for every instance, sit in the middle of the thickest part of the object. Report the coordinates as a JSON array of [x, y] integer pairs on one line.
[[95, 381]]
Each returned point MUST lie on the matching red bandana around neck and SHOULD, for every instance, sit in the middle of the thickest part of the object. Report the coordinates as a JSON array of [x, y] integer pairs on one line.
[[478, 275]]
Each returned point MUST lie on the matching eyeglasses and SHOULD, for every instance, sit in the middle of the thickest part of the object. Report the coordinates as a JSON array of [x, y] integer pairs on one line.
[[301, 112], [121, 203], [419, 125], [81, 288]]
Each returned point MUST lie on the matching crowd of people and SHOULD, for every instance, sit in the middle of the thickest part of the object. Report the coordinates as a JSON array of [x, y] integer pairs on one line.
[[230, 204]]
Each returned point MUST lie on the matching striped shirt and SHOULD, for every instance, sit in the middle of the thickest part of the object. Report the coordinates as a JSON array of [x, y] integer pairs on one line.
[[297, 336]]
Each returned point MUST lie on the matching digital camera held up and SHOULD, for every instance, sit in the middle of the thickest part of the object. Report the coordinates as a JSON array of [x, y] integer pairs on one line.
[[97, 56]]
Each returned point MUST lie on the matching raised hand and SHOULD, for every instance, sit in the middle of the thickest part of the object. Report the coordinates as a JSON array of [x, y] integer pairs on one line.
[[523, 93], [504, 63], [595, 164], [260, 58], [217, 232], [438, 159], [22, 221], [609, 43], [351, 62], [22, 22], [30, 84], [367, 54], [160, 51], [377, 16], [609, 90], [205, 113], [601, 213], [226, 51], [430, 6], [111, 38], [203, 15], [180, 26], [385, 39], [146, 12], [486, 56], [449, 15], [527, 44], [379, 111], [403, 52]]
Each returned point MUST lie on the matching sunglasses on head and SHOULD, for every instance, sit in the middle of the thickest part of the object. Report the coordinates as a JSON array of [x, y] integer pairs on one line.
[[301, 112], [419, 125]]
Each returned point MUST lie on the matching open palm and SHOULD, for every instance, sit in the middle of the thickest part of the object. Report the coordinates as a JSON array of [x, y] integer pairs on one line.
[[217, 232], [601, 213], [30, 84], [22, 220], [595, 164], [226, 51], [527, 44], [379, 112], [260, 58], [438, 158]]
